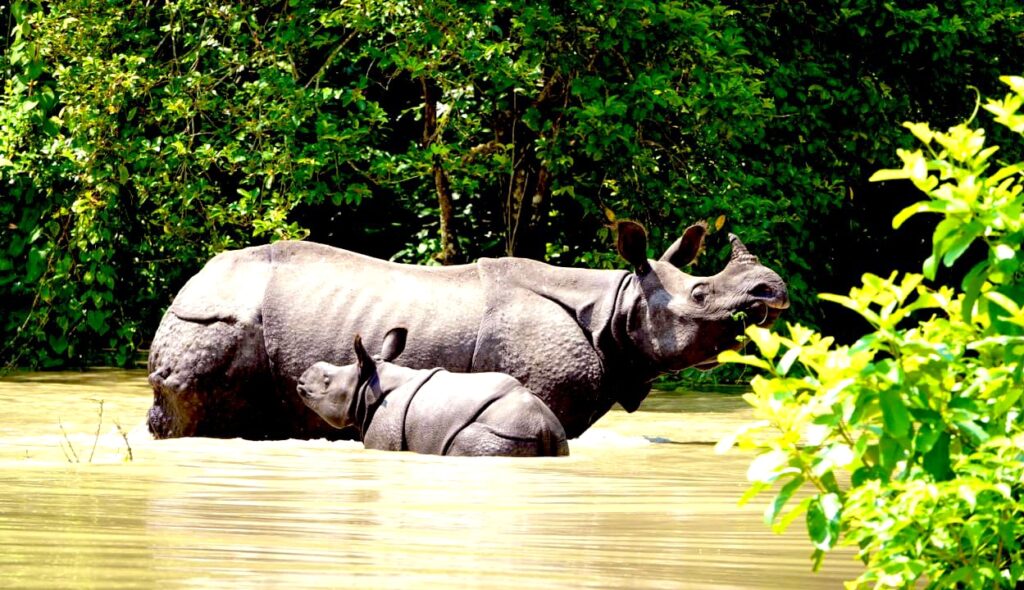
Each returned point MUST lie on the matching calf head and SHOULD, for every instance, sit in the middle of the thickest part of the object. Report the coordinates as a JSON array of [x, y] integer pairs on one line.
[[678, 320], [342, 395]]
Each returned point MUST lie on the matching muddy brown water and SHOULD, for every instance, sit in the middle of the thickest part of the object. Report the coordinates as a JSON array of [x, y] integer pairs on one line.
[[620, 512]]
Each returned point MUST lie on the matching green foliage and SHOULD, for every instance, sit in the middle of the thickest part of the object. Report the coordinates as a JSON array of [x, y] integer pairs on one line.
[[139, 139], [841, 75], [912, 439], [550, 112]]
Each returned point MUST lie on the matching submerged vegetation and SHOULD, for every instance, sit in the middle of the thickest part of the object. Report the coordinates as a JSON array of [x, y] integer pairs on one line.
[[911, 439], [72, 455]]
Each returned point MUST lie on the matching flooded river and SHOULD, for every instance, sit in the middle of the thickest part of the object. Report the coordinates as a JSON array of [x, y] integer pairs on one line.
[[620, 512]]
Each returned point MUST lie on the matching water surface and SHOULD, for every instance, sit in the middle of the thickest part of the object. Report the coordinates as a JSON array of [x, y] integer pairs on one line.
[[620, 512]]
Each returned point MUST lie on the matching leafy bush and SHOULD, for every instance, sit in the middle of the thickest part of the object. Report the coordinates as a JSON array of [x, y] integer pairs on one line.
[[841, 76], [911, 440], [139, 139]]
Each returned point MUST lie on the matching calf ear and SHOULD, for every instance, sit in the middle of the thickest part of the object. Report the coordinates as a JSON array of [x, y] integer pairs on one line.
[[394, 344], [685, 250], [363, 360], [632, 244]]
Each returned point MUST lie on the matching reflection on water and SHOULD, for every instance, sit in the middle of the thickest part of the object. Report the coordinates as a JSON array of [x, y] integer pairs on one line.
[[620, 512]]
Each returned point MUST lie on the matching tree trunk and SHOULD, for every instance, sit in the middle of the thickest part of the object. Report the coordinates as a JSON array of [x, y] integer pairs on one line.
[[526, 203], [529, 191], [449, 253]]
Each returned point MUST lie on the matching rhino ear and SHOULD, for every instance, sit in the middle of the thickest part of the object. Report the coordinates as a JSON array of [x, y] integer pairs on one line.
[[363, 360], [685, 250], [394, 344], [632, 245]]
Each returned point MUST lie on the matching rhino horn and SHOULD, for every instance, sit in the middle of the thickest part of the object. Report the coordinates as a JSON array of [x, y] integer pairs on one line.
[[740, 254]]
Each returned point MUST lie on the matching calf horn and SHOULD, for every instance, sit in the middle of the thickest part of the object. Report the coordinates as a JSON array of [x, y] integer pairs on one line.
[[740, 255]]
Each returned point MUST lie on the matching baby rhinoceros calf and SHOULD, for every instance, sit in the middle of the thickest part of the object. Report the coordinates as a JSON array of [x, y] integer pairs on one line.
[[430, 411]]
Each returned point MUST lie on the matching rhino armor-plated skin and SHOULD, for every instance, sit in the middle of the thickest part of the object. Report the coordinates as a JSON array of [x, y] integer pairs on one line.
[[227, 356], [432, 411]]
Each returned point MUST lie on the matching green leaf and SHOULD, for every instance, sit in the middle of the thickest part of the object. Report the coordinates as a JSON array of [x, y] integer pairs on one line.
[[889, 454], [959, 243], [936, 461], [37, 259], [817, 558], [894, 413], [767, 341], [787, 360], [788, 518], [773, 509], [974, 433], [769, 466], [931, 264], [907, 212], [731, 356], [921, 131], [727, 442], [752, 492], [972, 284], [1004, 302], [58, 343], [97, 320], [823, 521], [890, 174]]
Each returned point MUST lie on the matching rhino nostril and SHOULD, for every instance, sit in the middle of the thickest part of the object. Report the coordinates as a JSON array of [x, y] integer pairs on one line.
[[764, 291], [774, 296]]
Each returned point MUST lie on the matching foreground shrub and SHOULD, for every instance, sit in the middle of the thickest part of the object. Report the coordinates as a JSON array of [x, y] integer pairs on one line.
[[911, 440]]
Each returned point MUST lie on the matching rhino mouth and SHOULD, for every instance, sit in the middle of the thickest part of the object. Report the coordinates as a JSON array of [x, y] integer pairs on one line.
[[306, 393], [762, 314], [759, 313]]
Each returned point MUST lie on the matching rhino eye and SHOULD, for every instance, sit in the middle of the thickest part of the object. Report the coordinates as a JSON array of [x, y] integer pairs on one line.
[[699, 294]]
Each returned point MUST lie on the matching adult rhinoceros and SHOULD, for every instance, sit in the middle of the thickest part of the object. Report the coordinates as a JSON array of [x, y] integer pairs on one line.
[[227, 356]]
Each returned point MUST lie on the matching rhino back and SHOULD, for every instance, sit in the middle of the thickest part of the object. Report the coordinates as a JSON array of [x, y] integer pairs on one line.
[[318, 298], [229, 288], [448, 403]]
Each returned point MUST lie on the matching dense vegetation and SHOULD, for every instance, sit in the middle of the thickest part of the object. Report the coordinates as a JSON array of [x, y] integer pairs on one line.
[[912, 438], [138, 138]]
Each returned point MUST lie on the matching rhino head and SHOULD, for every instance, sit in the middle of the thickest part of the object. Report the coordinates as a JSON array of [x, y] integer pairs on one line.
[[346, 396], [677, 320]]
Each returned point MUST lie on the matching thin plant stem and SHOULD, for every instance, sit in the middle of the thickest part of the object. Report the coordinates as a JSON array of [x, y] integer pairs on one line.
[[70, 446], [96, 438], [127, 445]]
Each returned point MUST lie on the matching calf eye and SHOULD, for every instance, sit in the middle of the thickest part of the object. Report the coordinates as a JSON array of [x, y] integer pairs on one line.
[[327, 381]]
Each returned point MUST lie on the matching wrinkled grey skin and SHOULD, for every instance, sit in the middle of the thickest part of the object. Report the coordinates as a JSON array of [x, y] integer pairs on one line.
[[394, 408], [227, 356]]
